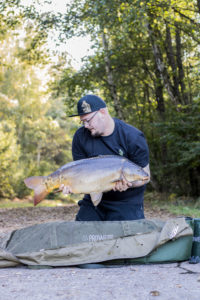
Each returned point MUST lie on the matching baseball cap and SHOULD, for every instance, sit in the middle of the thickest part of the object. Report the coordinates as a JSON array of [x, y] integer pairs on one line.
[[88, 104]]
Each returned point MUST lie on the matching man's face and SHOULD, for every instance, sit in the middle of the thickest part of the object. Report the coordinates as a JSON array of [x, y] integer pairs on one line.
[[93, 122]]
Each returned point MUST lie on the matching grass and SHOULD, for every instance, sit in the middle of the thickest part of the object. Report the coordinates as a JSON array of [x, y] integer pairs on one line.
[[23, 203], [180, 206], [184, 211], [53, 200]]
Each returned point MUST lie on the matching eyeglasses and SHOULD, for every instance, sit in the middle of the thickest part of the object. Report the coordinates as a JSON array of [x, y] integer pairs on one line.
[[84, 122]]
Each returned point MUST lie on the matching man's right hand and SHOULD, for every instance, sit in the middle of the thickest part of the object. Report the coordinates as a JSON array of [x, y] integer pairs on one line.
[[65, 189]]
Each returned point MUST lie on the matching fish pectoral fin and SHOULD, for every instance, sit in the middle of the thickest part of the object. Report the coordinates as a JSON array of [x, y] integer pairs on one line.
[[96, 198], [121, 177]]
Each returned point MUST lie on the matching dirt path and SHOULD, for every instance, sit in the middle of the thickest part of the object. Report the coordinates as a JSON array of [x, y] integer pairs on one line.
[[16, 218]]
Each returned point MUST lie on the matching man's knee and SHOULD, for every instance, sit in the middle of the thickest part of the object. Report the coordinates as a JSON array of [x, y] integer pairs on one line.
[[88, 213], [126, 213]]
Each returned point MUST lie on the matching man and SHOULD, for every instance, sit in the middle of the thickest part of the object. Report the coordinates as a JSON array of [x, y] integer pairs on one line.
[[103, 135]]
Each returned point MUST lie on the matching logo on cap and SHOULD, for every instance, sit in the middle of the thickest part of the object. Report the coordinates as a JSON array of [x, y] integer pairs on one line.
[[86, 107]]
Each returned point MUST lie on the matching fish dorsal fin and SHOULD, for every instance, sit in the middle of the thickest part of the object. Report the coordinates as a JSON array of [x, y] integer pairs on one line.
[[106, 156], [96, 198]]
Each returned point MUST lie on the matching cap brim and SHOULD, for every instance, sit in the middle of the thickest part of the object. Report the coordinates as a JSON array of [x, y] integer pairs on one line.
[[76, 115], [72, 116]]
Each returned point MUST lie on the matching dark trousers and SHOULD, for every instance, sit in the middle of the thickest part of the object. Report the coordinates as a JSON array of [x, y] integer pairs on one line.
[[109, 211]]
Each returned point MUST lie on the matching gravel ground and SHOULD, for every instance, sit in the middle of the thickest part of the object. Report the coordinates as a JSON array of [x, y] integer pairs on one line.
[[160, 281]]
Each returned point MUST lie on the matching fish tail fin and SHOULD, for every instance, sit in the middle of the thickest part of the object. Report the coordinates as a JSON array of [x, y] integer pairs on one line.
[[36, 183]]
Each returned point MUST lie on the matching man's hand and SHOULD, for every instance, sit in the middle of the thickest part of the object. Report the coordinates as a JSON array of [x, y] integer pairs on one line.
[[122, 185], [65, 189]]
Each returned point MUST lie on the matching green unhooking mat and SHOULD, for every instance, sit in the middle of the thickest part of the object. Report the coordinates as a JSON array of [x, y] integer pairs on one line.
[[76, 243]]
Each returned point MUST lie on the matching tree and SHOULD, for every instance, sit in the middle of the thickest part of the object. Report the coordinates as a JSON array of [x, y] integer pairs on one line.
[[35, 137], [9, 155], [148, 59]]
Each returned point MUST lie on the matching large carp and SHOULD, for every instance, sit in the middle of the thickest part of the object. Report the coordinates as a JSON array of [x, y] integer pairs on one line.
[[88, 176]]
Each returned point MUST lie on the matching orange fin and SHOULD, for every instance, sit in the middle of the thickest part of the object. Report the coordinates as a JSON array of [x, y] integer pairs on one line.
[[36, 183], [40, 194]]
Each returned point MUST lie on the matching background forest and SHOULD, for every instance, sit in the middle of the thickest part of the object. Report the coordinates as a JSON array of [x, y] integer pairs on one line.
[[146, 65]]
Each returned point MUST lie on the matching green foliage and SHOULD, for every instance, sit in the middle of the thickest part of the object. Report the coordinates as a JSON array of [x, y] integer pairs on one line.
[[35, 136], [181, 137], [9, 155], [153, 54], [171, 203]]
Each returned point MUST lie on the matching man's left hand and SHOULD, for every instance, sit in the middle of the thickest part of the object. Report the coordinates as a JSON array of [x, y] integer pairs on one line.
[[122, 185]]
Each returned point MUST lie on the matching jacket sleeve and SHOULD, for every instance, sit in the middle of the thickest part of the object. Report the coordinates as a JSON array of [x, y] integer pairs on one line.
[[78, 151], [138, 150]]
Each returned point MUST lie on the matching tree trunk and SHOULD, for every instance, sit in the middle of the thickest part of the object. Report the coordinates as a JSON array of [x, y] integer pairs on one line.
[[194, 176], [180, 67], [172, 62], [161, 66], [158, 88], [111, 83], [38, 154], [198, 5], [159, 94]]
